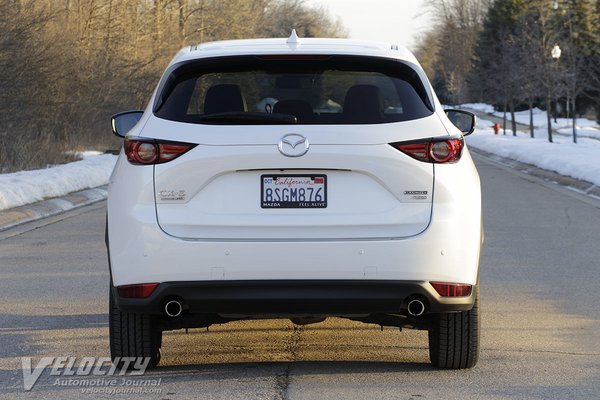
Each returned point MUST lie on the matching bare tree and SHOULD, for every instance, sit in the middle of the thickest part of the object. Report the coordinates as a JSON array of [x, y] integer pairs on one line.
[[577, 30], [458, 23], [67, 65], [308, 21]]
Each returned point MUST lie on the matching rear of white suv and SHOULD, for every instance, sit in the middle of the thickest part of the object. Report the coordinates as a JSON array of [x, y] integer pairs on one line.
[[274, 179]]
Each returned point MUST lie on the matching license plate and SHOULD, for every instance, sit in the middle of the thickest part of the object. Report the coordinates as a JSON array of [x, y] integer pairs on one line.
[[293, 191]]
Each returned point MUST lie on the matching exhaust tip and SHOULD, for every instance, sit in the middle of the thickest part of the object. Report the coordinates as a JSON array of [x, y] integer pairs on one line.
[[416, 308], [173, 308]]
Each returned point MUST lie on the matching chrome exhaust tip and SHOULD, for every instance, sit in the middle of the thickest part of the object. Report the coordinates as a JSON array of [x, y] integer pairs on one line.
[[416, 308], [173, 308]]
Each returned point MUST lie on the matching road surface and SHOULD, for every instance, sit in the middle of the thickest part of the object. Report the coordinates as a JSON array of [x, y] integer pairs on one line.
[[540, 337]]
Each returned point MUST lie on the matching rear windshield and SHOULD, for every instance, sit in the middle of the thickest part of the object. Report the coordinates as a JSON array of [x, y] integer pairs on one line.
[[302, 90]]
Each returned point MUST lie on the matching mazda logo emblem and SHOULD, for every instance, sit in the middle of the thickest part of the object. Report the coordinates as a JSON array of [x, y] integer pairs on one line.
[[293, 145]]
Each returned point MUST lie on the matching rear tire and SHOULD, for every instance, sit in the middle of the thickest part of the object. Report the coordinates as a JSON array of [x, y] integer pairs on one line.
[[454, 339], [133, 335]]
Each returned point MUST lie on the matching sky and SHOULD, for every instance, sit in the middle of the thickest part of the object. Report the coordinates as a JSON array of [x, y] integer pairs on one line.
[[393, 21]]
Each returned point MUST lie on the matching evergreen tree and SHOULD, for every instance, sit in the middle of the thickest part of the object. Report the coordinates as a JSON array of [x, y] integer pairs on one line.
[[496, 63]]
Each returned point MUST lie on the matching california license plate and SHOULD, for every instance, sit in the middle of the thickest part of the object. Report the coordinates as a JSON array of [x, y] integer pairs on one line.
[[293, 191]]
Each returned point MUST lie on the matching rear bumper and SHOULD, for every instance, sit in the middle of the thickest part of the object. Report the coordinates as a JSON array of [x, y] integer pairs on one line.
[[447, 251], [295, 297]]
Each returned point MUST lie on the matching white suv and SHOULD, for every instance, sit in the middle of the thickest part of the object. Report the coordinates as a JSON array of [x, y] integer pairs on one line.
[[294, 178]]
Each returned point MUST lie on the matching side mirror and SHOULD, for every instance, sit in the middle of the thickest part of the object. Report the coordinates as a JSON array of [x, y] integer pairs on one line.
[[463, 120], [123, 122]]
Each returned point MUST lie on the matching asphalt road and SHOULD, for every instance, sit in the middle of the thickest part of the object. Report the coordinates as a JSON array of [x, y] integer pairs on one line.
[[541, 319]]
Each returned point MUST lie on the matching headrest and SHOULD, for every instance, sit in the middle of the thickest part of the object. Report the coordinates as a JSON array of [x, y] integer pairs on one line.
[[224, 98], [364, 103]]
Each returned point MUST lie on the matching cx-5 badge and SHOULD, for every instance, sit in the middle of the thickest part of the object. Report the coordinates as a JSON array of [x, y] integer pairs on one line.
[[293, 145]]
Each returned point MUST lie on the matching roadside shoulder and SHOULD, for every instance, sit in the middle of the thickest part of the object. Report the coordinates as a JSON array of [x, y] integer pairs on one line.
[[576, 185], [50, 207]]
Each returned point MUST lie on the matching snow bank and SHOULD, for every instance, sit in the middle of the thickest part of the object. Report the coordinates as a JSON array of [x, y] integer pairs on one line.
[[19, 188], [580, 161]]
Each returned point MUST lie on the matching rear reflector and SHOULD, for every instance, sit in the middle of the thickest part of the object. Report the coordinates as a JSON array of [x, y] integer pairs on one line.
[[445, 289], [139, 291]]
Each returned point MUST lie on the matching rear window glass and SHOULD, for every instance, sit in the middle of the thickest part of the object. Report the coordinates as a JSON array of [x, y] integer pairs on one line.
[[312, 90]]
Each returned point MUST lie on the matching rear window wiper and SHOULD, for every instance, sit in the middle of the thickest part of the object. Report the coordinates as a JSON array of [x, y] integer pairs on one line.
[[247, 118]]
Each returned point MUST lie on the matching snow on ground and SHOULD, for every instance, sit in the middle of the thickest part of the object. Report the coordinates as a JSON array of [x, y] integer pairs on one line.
[[582, 130], [585, 127], [580, 161], [84, 154], [20, 188], [486, 108]]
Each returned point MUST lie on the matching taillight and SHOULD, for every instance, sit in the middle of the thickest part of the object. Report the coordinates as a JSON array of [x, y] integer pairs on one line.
[[140, 291], [435, 150], [445, 289], [150, 151]]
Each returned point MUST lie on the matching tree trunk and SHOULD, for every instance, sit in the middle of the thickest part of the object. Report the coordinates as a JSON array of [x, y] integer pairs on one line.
[[108, 33], [504, 120], [158, 26], [531, 129], [68, 13], [549, 115], [182, 13], [574, 121], [512, 117]]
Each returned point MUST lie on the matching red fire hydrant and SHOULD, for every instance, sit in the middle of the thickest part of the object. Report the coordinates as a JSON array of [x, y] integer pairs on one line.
[[496, 127]]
